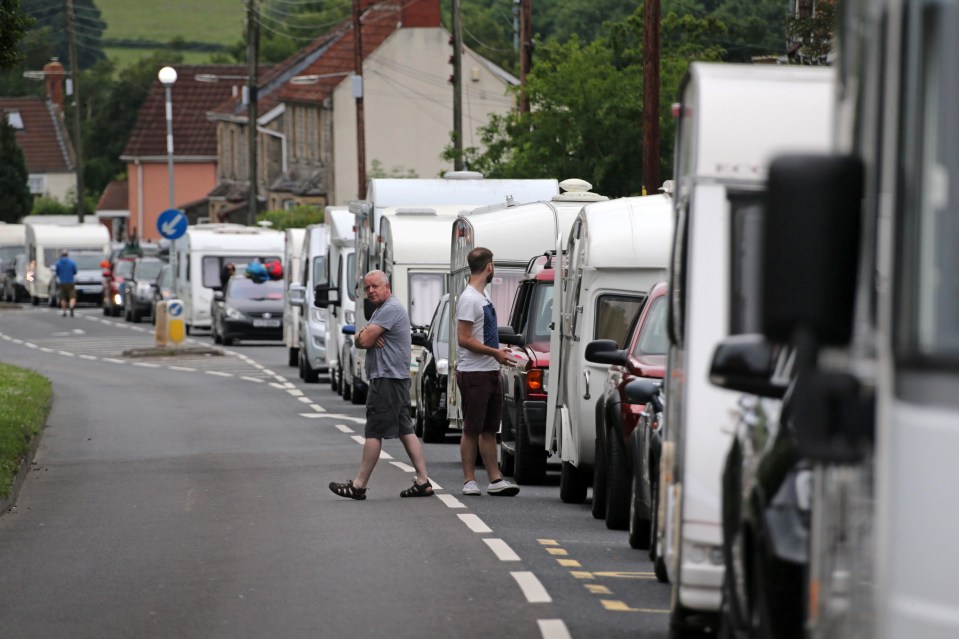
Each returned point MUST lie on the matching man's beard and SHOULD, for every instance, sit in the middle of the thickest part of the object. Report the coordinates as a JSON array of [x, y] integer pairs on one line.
[[489, 278]]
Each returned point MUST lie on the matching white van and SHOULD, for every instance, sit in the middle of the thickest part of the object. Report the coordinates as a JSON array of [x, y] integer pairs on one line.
[[45, 243], [199, 255], [733, 120], [616, 252], [342, 267], [313, 328], [292, 251], [514, 234], [13, 242]]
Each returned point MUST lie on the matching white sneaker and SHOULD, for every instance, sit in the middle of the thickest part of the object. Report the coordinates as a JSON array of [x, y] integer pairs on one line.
[[471, 488], [502, 488]]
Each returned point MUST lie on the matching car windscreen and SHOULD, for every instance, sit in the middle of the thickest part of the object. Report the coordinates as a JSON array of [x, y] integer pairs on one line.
[[653, 338], [541, 311], [242, 288], [149, 270], [124, 268], [87, 261]]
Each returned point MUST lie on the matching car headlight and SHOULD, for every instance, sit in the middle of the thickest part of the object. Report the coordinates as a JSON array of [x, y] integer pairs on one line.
[[349, 316], [232, 313], [318, 315], [442, 366]]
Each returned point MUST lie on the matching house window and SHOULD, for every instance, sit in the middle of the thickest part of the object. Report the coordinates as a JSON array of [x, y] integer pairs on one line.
[[37, 184], [15, 120]]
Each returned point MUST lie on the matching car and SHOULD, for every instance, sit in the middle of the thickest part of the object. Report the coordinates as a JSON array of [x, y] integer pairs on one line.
[[89, 282], [353, 388], [433, 366], [115, 271], [523, 431], [625, 454], [248, 309], [162, 289], [138, 288]]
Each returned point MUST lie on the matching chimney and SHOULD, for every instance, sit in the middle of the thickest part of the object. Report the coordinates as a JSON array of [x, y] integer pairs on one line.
[[420, 13], [53, 75]]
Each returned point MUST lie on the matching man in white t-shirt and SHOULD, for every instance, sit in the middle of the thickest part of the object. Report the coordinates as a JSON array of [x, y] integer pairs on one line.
[[478, 377]]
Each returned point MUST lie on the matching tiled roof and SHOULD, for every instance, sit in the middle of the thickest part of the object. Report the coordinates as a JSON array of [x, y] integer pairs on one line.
[[193, 134], [116, 197], [43, 138]]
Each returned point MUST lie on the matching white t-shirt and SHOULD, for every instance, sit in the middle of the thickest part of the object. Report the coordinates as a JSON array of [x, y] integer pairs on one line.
[[477, 308]]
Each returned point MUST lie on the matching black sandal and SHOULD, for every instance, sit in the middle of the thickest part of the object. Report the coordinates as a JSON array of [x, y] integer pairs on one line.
[[348, 490], [418, 490]]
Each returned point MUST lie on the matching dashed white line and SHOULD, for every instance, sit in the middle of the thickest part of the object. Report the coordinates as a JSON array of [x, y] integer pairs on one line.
[[31, 345], [359, 439], [318, 408], [474, 523], [269, 372], [343, 428], [312, 415], [305, 400], [185, 369], [450, 501], [113, 360], [276, 385], [501, 549], [346, 418], [385, 455], [146, 365], [406, 468], [66, 353], [253, 379], [90, 357], [553, 629], [532, 588], [295, 392], [219, 373], [287, 384], [47, 350]]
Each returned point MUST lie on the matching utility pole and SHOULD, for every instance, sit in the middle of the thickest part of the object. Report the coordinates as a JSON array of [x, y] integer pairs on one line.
[[651, 96], [252, 55], [457, 87], [525, 51], [77, 132], [358, 94]]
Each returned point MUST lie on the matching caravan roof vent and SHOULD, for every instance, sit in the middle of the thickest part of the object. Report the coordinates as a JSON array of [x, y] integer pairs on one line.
[[667, 187], [462, 175], [576, 190]]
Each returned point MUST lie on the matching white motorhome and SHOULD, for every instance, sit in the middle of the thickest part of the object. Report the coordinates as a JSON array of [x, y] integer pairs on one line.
[[616, 252], [342, 267], [292, 252], [732, 120], [13, 242], [199, 255], [45, 243], [515, 234], [314, 271]]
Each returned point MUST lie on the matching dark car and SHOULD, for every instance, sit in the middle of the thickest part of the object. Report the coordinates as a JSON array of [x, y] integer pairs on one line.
[[627, 456], [138, 288], [115, 272], [89, 282], [433, 364], [248, 309], [162, 289], [523, 432]]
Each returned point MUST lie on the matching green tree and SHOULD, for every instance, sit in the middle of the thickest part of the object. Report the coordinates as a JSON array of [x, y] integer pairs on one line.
[[752, 27], [90, 28], [15, 197], [15, 23], [296, 218], [813, 34]]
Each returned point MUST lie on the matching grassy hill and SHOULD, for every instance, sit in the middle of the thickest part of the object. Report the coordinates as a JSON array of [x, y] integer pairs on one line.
[[197, 22]]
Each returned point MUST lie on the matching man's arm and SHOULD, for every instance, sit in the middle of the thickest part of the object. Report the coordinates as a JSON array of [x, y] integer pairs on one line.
[[369, 336], [465, 339]]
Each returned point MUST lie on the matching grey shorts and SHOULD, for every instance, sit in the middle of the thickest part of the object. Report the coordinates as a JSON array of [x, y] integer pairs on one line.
[[388, 408]]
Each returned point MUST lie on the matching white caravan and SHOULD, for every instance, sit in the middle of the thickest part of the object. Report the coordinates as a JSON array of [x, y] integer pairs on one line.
[[342, 267], [313, 327], [616, 252], [732, 120], [199, 255], [292, 274], [13, 241], [45, 242], [515, 234]]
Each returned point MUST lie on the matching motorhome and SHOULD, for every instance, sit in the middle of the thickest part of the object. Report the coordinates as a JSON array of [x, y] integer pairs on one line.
[[514, 234], [45, 243], [732, 120], [313, 330], [292, 274], [198, 257], [616, 252], [342, 267], [13, 241]]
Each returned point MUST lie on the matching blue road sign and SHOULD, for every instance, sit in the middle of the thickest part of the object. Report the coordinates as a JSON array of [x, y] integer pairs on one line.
[[172, 223], [174, 309]]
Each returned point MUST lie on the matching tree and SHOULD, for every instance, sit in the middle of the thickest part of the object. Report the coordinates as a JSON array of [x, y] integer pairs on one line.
[[89, 28], [15, 197], [15, 23], [299, 217]]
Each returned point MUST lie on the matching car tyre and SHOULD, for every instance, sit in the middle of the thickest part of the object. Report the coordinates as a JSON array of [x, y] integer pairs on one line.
[[310, 374], [617, 484], [357, 396], [572, 484], [598, 507], [227, 341], [507, 434], [530, 462], [640, 530], [292, 356]]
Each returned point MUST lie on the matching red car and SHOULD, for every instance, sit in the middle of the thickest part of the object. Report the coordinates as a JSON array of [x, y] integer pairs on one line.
[[627, 456], [115, 271]]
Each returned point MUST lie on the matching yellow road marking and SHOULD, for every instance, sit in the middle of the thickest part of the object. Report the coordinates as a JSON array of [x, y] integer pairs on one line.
[[557, 551], [598, 589], [626, 575], [620, 606], [581, 574], [569, 563], [548, 542]]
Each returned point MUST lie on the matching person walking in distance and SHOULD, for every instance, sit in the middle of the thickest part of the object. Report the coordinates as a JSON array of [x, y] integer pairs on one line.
[[387, 339], [66, 271], [478, 377]]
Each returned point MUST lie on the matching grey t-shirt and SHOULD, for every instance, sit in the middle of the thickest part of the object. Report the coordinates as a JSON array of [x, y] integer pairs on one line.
[[393, 360]]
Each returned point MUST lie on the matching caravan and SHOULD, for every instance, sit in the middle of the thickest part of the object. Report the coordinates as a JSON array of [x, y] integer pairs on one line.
[[342, 267], [292, 250], [13, 241], [198, 257], [88, 245], [313, 330]]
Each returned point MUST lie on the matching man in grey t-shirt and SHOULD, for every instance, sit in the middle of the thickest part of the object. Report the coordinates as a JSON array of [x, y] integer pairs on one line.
[[387, 339]]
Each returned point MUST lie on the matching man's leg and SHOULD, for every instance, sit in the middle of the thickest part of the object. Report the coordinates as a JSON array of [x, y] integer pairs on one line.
[[468, 446], [415, 450], [487, 450], [371, 454]]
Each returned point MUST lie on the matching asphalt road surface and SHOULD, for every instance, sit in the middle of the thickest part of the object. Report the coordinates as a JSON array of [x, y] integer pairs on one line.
[[187, 496]]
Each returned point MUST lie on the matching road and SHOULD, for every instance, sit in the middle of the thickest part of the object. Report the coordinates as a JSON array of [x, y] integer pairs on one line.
[[187, 496]]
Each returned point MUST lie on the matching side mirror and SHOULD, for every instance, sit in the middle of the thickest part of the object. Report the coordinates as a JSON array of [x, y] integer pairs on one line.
[[324, 296], [811, 240], [349, 329], [746, 363], [508, 336], [420, 339], [605, 351], [641, 391], [297, 293]]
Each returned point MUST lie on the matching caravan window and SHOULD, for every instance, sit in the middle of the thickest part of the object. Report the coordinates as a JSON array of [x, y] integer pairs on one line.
[[351, 276], [746, 214], [319, 270], [426, 289], [212, 264], [541, 311], [615, 314], [503, 288]]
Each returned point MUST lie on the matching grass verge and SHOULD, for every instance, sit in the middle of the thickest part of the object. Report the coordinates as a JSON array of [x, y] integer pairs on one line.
[[24, 405]]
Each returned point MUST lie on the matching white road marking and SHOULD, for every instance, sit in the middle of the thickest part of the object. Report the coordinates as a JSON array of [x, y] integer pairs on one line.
[[312, 416], [450, 501], [406, 468], [185, 369], [532, 588], [269, 372], [359, 439], [347, 418], [287, 384], [17, 341], [66, 353], [318, 408], [343, 428], [218, 373], [385, 455], [305, 400], [500, 548], [474, 523], [295, 392], [146, 365], [113, 361], [90, 357], [275, 385], [30, 345], [47, 350], [553, 629], [253, 379]]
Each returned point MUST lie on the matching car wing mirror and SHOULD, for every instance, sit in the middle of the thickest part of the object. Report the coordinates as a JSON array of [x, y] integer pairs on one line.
[[324, 295], [605, 351], [746, 363], [508, 336], [641, 391], [420, 339]]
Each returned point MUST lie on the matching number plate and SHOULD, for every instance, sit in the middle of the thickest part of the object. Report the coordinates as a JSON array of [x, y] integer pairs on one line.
[[262, 323]]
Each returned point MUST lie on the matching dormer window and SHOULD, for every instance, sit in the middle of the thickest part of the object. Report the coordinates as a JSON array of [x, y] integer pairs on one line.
[[15, 120]]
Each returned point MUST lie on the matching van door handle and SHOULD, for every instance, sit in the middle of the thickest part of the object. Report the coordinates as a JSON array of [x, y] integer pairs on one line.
[[586, 375]]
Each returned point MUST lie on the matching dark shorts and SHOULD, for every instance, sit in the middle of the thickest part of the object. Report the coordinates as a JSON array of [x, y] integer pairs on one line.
[[67, 291], [482, 393], [388, 408]]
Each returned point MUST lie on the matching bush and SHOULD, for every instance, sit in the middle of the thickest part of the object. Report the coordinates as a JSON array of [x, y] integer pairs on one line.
[[296, 218], [24, 404]]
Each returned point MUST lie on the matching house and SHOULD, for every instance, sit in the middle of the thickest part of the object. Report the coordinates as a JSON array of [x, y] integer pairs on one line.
[[43, 136], [198, 89], [113, 209], [306, 127]]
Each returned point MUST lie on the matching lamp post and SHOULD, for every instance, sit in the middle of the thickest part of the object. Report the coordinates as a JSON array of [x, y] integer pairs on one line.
[[167, 76]]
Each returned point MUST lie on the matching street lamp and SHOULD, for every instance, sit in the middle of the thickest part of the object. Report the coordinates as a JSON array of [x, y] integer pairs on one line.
[[167, 76]]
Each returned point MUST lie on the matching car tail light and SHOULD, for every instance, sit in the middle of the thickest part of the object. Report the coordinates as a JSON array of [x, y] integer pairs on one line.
[[534, 380]]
